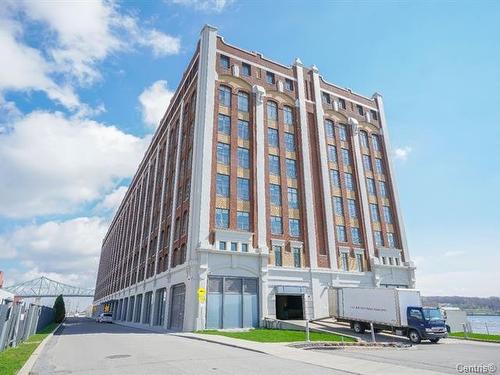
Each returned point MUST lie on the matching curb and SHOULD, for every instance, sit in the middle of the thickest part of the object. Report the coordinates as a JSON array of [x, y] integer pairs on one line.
[[219, 342], [28, 366], [470, 339], [340, 345]]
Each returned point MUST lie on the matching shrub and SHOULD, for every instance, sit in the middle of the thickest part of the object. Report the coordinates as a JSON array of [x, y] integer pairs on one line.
[[59, 309]]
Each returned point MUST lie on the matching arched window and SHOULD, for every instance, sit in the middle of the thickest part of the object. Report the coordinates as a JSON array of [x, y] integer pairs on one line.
[[225, 96], [272, 111], [243, 101]]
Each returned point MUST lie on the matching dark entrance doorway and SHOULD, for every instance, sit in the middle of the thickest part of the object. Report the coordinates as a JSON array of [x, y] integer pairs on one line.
[[289, 307]]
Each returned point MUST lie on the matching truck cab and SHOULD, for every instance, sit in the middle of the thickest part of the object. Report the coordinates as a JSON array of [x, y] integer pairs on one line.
[[425, 323]]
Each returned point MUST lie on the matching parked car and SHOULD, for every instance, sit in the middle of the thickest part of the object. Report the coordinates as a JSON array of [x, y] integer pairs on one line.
[[104, 318]]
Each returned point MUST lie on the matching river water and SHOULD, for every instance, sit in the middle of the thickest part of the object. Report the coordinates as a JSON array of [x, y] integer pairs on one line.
[[478, 323]]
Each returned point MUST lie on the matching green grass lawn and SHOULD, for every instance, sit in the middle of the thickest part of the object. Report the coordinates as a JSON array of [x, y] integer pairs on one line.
[[278, 335], [477, 336], [11, 360]]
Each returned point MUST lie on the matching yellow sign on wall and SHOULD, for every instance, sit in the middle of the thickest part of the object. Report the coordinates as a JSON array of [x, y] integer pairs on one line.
[[202, 295]]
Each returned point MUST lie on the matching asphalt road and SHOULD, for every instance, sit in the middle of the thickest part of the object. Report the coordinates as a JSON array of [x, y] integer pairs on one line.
[[445, 357], [86, 347]]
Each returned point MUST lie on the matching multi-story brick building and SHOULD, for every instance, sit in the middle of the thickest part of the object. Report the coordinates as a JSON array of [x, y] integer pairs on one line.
[[264, 185]]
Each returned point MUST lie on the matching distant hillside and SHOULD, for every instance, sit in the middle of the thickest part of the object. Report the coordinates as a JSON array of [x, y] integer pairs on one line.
[[473, 305]]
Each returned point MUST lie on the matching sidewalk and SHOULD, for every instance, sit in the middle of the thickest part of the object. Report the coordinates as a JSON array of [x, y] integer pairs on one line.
[[336, 362]]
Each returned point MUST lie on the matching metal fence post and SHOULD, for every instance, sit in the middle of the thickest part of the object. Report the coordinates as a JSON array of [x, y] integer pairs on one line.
[[307, 331], [373, 332], [487, 330]]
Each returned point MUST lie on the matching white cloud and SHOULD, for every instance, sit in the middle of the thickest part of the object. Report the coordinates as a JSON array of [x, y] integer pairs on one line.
[[67, 251], [53, 164], [402, 153], [154, 102], [112, 201], [205, 5], [77, 37], [481, 283]]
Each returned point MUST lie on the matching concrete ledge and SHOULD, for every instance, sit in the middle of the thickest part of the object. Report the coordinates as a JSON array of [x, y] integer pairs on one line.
[[340, 345], [26, 369]]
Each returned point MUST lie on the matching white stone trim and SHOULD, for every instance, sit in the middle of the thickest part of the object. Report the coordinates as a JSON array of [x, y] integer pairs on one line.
[[392, 178], [278, 242], [363, 193], [260, 166], [344, 250], [202, 142], [325, 175], [306, 162], [297, 244]]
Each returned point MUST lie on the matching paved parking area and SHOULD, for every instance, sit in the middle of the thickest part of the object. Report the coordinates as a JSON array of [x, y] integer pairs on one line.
[[86, 347], [444, 357]]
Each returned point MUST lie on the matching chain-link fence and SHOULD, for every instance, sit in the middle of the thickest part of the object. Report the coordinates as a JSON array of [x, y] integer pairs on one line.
[[20, 320]]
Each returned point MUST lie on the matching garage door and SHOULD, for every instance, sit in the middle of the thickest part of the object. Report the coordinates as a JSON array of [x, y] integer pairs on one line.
[[178, 293], [232, 302]]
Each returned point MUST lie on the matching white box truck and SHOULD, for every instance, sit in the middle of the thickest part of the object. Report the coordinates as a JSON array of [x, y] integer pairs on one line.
[[397, 310]]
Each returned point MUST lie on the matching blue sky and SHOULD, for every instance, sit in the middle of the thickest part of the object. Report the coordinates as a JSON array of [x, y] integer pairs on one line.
[[81, 90]]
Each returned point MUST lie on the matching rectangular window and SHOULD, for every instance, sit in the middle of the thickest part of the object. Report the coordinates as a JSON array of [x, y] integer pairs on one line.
[[224, 62], [234, 246], [291, 168], [326, 97], [329, 129], [243, 219], [374, 212], [224, 96], [338, 206], [246, 69], [244, 248], [378, 166], [356, 239], [294, 227], [270, 78], [353, 212], [344, 260], [397, 261], [224, 124], [243, 157], [360, 109], [288, 84], [274, 165], [293, 198], [243, 188], [223, 153], [375, 142], [390, 261], [379, 241], [387, 214], [370, 185], [287, 115], [332, 154], [243, 130], [364, 138], [276, 225], [335, 178], [367, 162], [296, 257], [272, 111], [341, 235], [343, 132], [374, 114], [349, 184], [272, 137], [289, 142], [345, 157], [384, 260], [242, 101], [383, 188], [222, 245], [222, 185], [359, 262], [275, 194], [278, 259], [342, 103], [222, 218]]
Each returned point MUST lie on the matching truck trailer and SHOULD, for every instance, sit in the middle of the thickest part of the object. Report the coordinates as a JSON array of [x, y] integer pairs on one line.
[[396, 310]]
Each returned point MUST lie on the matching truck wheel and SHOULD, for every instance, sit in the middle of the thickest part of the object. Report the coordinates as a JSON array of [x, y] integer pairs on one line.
[[358, 327], [414, 337], [434, 341]]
